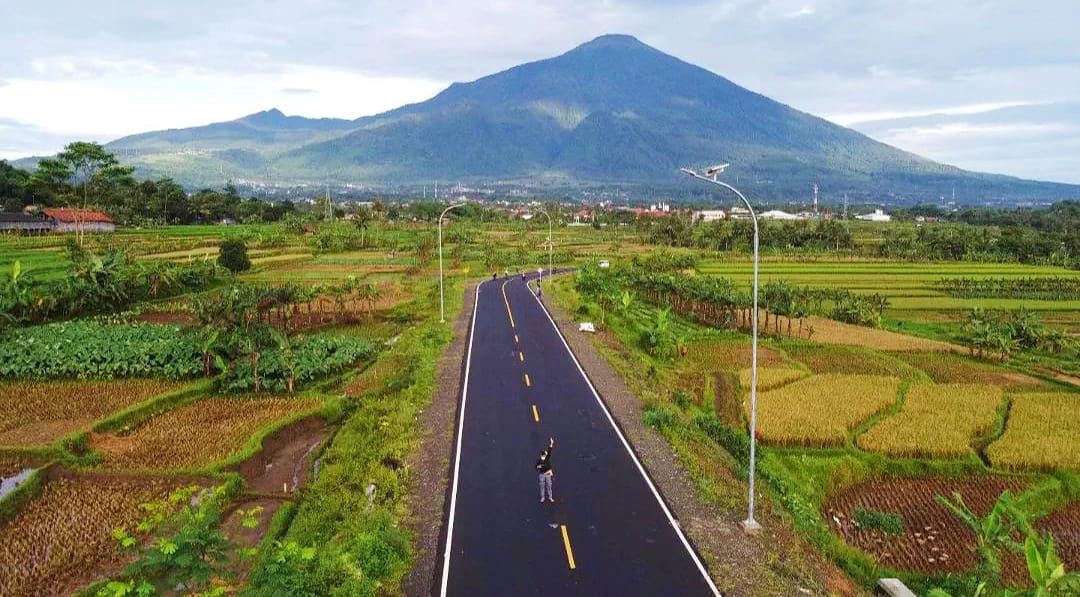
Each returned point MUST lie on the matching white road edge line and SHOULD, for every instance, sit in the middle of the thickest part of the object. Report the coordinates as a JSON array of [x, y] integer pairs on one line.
[[629, 450], [457, 456]]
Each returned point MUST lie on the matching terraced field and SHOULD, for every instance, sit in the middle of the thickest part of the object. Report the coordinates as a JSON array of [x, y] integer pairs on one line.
[[196, 435], [36, 413], [909, 286]]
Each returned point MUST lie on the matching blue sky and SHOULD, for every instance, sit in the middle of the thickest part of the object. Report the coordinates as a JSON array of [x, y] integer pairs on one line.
[[991, 86]]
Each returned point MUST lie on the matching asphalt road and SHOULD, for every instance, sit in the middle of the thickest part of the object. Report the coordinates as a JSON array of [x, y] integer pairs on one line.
[[607, 533]]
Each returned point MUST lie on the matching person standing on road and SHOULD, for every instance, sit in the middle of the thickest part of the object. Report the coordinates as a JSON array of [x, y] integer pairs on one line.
[[543, 466]]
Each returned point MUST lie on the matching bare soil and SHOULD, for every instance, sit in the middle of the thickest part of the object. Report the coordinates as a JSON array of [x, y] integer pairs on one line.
[[1064, 525], [168, 317], [284, 463], [934, 541]]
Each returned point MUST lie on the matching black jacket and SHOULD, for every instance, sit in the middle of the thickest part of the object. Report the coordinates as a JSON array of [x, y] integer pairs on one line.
[[544, 464]]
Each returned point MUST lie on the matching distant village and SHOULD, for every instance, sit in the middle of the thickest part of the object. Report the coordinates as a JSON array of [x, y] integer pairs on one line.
[[64, 219]]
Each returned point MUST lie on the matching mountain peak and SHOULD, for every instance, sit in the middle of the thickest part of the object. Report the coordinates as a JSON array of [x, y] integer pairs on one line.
[[269, 117], [613, 40]]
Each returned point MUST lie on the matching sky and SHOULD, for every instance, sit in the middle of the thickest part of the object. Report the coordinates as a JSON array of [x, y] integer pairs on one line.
[[986, 85]]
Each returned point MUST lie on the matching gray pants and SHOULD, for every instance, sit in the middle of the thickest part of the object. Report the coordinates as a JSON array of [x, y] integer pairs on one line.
[[545, 486]]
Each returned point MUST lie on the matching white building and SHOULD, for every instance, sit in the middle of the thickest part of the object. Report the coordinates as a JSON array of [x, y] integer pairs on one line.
[[709, 215], [877, 216], [776, 214]]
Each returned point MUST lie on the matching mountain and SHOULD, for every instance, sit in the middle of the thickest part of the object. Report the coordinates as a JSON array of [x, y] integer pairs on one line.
[[611, 111]]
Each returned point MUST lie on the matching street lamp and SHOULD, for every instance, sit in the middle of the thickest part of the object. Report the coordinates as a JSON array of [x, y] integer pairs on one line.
[[442, 303], [550, 249], [750, 525]]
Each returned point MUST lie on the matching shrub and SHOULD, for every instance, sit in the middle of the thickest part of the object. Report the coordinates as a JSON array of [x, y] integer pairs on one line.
[[233, 256], [873, 520], [660, 417]]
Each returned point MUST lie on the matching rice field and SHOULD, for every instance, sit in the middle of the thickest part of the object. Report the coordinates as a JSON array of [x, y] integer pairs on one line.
[[851, 360], [61, 539], [719, 355], [195, 435], [909, 286], [34, 413], [952, 368], [936, 421], [770, 377], [1042, 433], [822, 409]]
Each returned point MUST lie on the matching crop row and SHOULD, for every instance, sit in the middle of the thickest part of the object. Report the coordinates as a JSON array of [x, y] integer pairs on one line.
[[90, 349], [820, 410], [1042, 433], [34, 413], [197, 434], [1046, 287], [936, 421], [64, 536]]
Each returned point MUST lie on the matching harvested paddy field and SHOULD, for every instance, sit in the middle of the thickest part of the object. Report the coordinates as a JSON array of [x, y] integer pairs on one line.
[[34, 413], [62, 539], [828, 331], [954, 368], [196, 435]]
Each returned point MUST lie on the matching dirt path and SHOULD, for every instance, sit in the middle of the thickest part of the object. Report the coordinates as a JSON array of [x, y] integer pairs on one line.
[[284, 463]]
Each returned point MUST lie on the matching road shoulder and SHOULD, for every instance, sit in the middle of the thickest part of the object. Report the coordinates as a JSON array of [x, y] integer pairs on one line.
[[429, 463]]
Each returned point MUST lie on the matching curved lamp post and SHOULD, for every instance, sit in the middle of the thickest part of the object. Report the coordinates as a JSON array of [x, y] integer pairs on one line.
[[442, 303], [541, 210], [749, 525]]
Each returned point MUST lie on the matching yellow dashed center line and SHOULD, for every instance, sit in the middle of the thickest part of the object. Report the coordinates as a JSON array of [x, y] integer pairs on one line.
[[536, 414], [569, 552], [507, 302], [515, 339], [528, 382], [521, 357]]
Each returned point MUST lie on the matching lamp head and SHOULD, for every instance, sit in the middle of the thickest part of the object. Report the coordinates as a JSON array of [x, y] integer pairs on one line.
[[716, 170]]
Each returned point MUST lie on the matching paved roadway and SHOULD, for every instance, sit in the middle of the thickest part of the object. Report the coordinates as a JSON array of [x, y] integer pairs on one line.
[[608, 532]]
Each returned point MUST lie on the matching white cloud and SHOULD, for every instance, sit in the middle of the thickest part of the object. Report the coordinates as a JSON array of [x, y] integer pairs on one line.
[[115, 105], [863, 117]]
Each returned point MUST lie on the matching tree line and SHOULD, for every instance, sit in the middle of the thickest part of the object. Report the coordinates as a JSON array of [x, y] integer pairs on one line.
[[87, 176]]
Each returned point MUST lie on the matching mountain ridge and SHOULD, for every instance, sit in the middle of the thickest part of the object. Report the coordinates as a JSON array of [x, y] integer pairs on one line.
[[611, 111]]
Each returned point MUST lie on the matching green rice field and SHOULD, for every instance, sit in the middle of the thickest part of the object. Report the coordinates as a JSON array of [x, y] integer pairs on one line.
[[909, 286]]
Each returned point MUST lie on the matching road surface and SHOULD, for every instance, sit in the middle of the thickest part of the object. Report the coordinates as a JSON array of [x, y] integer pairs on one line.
[[608, 533]]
